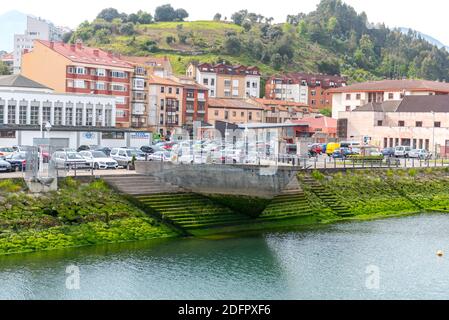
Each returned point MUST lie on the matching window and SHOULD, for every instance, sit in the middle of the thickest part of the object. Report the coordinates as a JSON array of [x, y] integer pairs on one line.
[[100, 86], [177, 91], [113, 135], [98, 117], [227, 93], [255, 86], [212, 82], [162, 89], [390, 96], [235, 83], [139, 84], [161, 119], [2, 114], [162, 104], [108, 118], [248, 84], [401, 124], [118, 87], [69, 115], [46, 112], [226, 115], [206, 82], [89, 117], [119, 74], [234, 114], [7, 134], [101, 72], [79, 116], [250, 116], [11, 114], [120, 100], [358, 96], [227, 83], [212, 93], [418, 124], [348, 96], [79, 84], [313, 93], [437, 124], [380, 123], [170, 90], [58, 116], [34, 115], [216, 113], [348, 108], [23, 114], [242, 114]]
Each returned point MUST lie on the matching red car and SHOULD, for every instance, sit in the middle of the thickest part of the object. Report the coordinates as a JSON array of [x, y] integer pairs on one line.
[[315, 149]]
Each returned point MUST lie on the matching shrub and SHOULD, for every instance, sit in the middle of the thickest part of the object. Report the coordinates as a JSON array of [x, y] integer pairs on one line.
[[318, 175]]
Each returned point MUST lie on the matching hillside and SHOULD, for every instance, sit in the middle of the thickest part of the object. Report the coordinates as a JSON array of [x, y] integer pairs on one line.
[[333, 39]]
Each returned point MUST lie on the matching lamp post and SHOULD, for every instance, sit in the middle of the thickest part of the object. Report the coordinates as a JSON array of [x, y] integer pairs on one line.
[[433, 135]]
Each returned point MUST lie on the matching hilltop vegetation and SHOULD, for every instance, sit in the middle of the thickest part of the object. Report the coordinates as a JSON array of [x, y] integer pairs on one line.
[[332, 39]]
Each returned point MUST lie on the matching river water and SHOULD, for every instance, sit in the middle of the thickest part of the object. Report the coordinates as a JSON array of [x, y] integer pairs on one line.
[[386, 259]]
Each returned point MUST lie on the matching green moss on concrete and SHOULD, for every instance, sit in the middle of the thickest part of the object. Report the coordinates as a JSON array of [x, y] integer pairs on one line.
[[249, 206]]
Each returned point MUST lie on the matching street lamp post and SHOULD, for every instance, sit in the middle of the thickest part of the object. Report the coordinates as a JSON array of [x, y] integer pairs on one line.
[[433, 135]]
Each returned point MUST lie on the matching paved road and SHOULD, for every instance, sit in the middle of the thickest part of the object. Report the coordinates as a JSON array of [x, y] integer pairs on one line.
[[79, 173]]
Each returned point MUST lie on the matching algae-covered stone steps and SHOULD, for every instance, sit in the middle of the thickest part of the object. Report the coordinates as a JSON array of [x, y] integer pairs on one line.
[[192, 211], [287, 206], [327, 197]]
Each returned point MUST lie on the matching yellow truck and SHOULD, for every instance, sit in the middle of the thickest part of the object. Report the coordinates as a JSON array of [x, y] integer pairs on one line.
[[331, 147]]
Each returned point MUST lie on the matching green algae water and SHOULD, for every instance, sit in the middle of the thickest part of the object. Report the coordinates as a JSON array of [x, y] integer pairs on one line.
[[332, 262]]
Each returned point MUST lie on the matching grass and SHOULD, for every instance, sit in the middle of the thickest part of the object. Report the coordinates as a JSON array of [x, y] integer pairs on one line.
[[76, 215]]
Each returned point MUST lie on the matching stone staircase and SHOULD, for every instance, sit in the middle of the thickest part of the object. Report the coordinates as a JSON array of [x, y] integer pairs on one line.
[[290, 204], [192, 211], [328, 198], [141, 185]]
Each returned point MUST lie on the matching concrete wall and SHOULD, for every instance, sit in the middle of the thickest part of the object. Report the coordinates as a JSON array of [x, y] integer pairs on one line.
[[221, 179]]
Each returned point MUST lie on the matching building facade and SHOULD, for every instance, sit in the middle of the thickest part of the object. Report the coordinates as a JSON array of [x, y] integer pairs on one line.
[[281, 111], [227, 81], [236, 111], [195, 103], [166, 107], [349, 98], [27, 106], [37, 29], [421, 122], [310, 89], [76, 69]]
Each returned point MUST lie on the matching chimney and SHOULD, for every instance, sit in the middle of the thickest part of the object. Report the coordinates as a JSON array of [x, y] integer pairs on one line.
[[52, 45], [96, 52]]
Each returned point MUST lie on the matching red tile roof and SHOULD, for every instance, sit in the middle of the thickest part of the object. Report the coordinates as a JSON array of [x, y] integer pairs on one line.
[[81, 54], [163, 81], [394, 85], [326, 124], [234, 104], [283, 103]]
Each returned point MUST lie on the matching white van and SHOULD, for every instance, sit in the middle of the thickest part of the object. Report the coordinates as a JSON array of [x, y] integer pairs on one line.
[[402, 151]]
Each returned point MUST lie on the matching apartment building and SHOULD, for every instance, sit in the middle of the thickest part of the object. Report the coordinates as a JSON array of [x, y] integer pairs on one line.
[[310, 89], [37, 29], [166, 107], [195, 102], [227, 81], [236, 111], [418, 121], [349, 98], [77, 69], [281, 111]]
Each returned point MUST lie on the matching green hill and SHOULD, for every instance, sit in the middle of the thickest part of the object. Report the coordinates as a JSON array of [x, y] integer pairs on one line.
[[332, 39]]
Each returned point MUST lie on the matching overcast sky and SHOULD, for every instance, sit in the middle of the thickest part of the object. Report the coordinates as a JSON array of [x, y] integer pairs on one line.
[[429, 16]]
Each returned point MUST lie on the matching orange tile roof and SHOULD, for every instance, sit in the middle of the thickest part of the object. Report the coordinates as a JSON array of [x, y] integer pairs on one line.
[[163, 81], [326, 124], [86, 55], [394, 85], [280, 102]]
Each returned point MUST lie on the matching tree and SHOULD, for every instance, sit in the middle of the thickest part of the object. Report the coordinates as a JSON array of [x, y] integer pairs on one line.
[[232, 45], [181, 14], [127, 29], [109, 14], [165, 13], [246, 25], [217, 17], [239, 16], [276, 61], [144, 17], [4, 69]]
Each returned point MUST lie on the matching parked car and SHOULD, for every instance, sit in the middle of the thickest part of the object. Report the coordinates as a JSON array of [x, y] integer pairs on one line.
[[164, 156], [69, 160], [420, 154], [99, 160], [388, 152], [6, 151], [315, 149], [147, 149], [402, 151], [105, 150], [18, 161], [331, 147], [124, 156], [5, 166], [193, 158]]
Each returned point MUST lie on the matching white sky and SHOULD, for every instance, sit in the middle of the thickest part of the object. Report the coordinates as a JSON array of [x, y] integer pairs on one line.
[[428, 16]]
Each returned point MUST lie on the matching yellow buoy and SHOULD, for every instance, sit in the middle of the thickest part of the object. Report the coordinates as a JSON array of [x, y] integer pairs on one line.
[[440, 253]]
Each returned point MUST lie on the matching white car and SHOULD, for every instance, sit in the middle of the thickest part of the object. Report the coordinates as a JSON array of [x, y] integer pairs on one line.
[[163, 156], [99, 160], [420, 154], [402, 151], [193, 158]]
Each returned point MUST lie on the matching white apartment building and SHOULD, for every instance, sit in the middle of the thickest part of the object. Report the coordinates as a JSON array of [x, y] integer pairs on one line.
[[37, 29], [347, 99], [295, 92]]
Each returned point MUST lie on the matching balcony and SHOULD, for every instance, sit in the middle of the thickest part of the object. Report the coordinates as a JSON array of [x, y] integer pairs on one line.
[[190, 111], [202, 111]]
